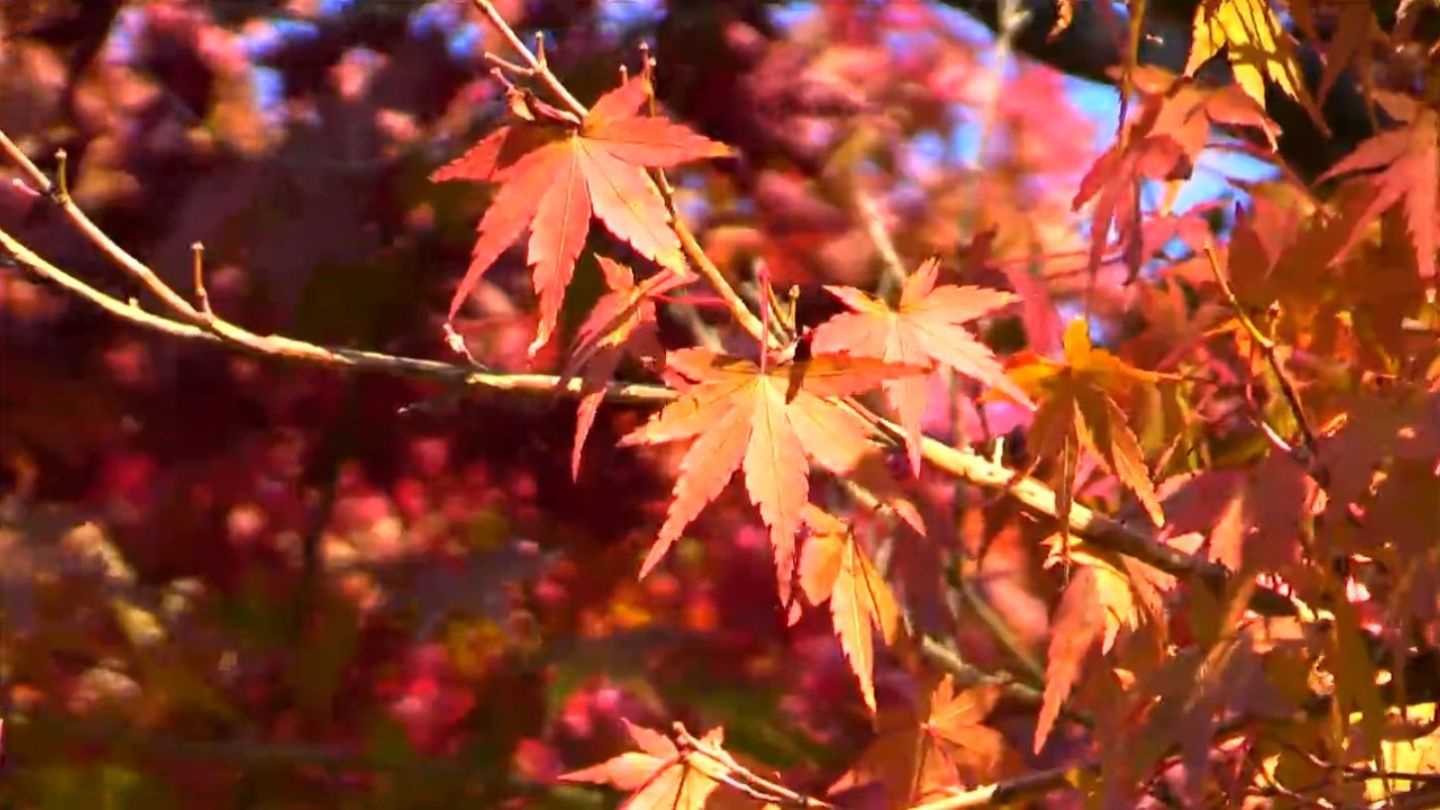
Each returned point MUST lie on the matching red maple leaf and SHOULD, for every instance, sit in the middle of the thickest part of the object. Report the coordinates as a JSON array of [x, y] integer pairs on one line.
[[554, 175], [1161, 142], [1410, 173], [926, 330]]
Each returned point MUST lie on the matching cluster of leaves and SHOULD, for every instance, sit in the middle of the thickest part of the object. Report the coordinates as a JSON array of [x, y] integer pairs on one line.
[[1141, 507]]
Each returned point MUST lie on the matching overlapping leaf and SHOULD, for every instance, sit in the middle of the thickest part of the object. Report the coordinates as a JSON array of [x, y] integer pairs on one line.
[[554, 175], [1161, 142], [1256, 45], [1113, 183], [834, 567], [768, 422], [1106, 594], [621, 322], [1077, 411], [1408, 160], [925, 749], [927, 329]]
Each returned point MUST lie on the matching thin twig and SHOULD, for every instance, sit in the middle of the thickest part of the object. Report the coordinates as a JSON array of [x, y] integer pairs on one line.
[[773, 790], [894, 268], [744, 318], [202, 298], [505, 64], [99, 238], [998, 628], [1004, 793], [540, 69], [291, 349], [1012, 18], [1267, 349]]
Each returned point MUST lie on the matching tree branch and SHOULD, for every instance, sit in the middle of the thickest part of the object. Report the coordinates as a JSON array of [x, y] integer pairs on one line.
[[536, 64], [284, 348]]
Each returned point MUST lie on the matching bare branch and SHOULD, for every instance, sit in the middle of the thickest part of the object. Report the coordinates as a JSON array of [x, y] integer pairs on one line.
[[290, 349]]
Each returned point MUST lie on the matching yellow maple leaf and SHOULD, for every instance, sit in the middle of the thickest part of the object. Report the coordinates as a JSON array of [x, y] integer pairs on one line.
[[1407, 754], [1255, 43]]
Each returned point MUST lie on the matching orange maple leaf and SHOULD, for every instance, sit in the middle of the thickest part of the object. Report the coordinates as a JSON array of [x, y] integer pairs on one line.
[[927, 329], [659, 775], [554, 175], [1107, 593], [1409, 160], [923, 750], [1077, 409], [767, 421], [621, 322], [834, 567]]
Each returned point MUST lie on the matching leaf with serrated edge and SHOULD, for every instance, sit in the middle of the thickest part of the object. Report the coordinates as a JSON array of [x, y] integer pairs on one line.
[[1256, 44], [1411, 176], [1099, 601], [772, 424], [621, 322], [927, 750], [834, 567], [566, 175], [659, 775], [1076, 409], [556, 238], [925, 330]]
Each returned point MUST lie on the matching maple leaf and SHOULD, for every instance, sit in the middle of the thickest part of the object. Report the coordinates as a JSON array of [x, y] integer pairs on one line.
[[834, 567], [1077, 409], [1161, 142], [1410, 174], [1114, 180], [621, 322], [1251, 518], [659, 775], [1191, 109], [1106, 594], [927, 329], [555, 175], [938, 744], [1256, 45], [767, 421]]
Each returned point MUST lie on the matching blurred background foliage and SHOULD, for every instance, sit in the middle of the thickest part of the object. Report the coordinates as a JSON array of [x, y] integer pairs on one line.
[[230, 582]]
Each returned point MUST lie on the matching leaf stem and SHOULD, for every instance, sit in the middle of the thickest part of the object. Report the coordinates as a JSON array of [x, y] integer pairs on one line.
[[744, 318]]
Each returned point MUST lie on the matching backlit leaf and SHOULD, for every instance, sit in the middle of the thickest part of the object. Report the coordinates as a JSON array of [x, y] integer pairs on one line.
[[554, 176], [768, 423], [926, 330], [834, 567]]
